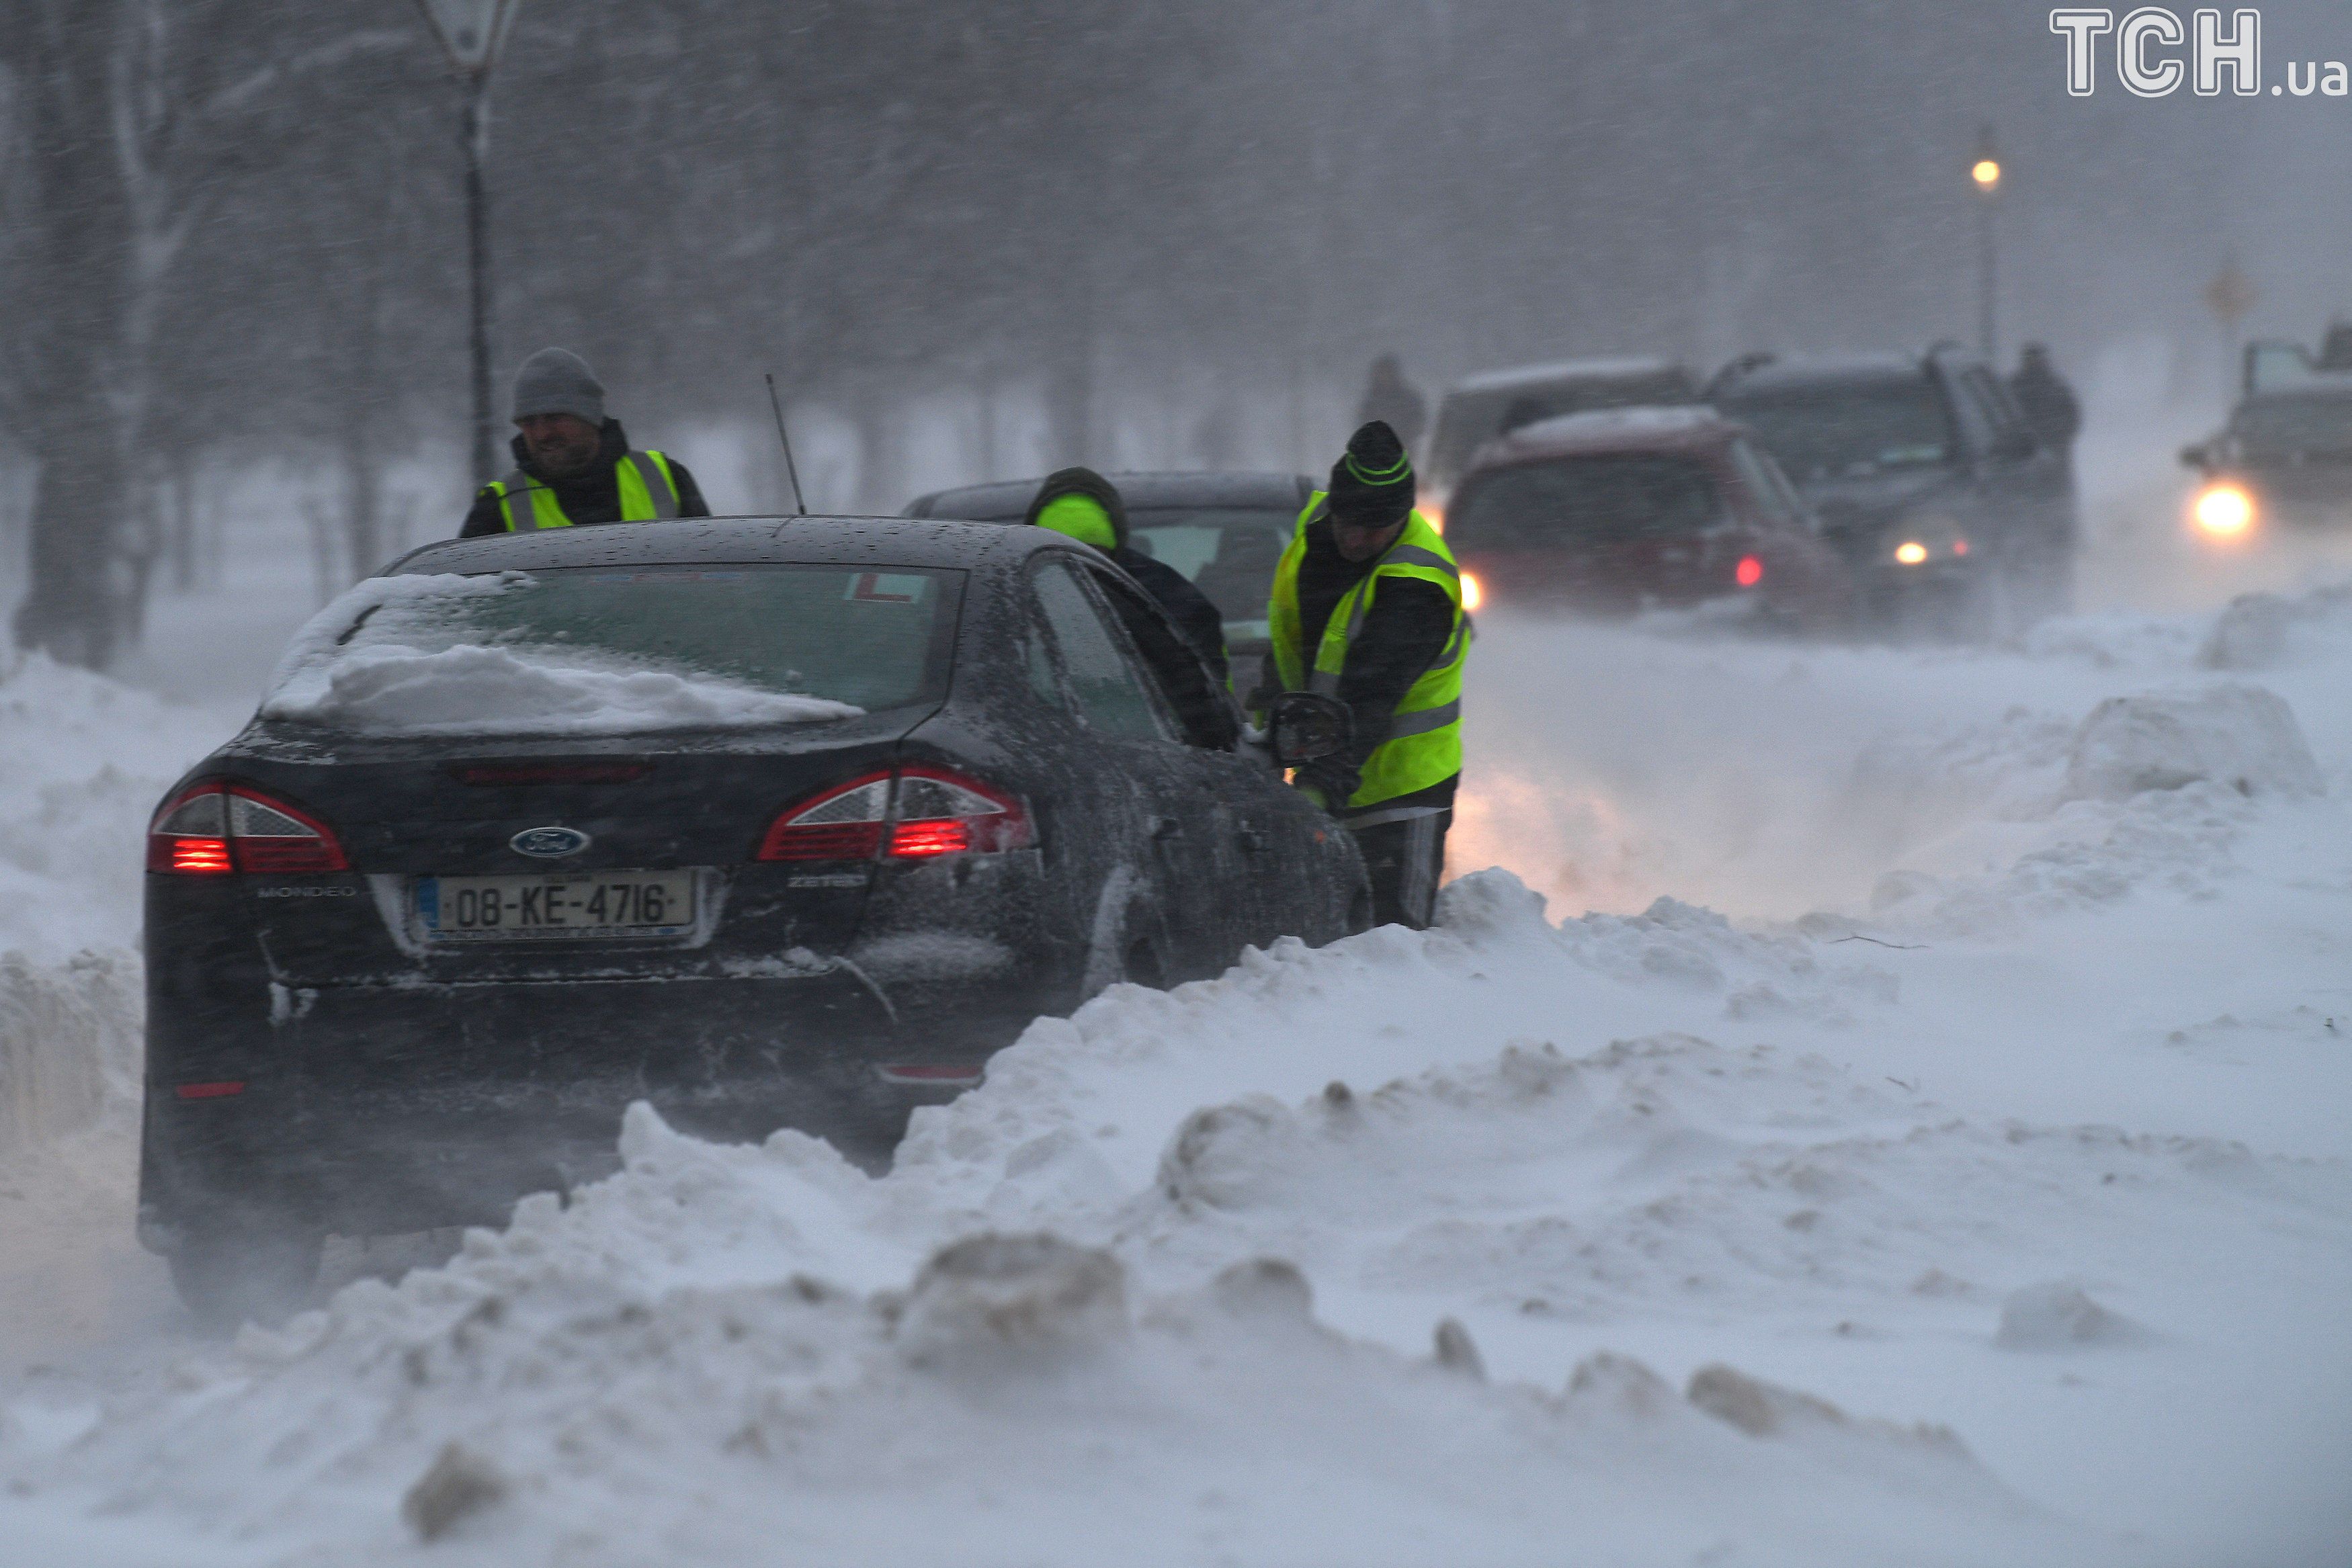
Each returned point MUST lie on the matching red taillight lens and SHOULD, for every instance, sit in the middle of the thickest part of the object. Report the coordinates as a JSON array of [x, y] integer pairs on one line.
[[190, 834], [843, 823], [935, 812], [222, 1090], [215, 829], [271, 836], [1749, 573], [945, 814]]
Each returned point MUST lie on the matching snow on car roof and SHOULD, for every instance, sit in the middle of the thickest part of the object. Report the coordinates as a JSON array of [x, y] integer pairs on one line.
[[1798, 369], [1598, 369], [1679, 424]]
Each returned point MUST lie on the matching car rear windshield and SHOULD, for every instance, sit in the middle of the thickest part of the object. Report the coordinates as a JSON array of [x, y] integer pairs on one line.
[[1228, 552], [1823, 433], [2295, 424], [602, 650], [1602, 498]]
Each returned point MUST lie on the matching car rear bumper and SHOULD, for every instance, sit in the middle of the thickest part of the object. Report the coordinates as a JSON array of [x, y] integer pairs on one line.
[[382, 1109]]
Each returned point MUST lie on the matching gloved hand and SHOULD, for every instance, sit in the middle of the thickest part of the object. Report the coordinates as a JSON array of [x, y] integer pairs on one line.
[[1254, 743], [1335, 778]]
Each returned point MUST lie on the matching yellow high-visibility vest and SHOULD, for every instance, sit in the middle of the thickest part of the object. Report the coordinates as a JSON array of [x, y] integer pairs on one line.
[[647, 492], [1424, 742]]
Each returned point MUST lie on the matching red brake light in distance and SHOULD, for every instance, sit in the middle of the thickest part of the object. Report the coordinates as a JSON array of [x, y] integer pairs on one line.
[[1749, 573], [215, 829], [937, 812]]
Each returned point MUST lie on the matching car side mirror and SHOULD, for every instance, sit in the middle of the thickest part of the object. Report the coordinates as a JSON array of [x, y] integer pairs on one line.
[[2195, 456], [1305, 726]]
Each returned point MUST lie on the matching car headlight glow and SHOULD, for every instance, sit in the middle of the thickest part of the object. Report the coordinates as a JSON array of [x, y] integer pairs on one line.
[[1473, 594], [1911, 552], [2223, 510]]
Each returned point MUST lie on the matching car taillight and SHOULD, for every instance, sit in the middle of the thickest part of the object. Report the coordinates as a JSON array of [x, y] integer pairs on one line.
[[215, 829], [935, 812], [845, 823], [1749, 573], [944, 814]]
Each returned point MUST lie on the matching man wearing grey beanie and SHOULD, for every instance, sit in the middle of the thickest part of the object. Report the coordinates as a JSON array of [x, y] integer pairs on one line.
[[573, 463]]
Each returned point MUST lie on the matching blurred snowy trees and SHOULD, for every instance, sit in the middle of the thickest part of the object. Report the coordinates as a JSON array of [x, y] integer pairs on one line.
[[232, 228]]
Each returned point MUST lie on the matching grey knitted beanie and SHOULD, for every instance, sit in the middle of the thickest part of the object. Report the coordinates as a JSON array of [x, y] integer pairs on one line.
[[557, 380]]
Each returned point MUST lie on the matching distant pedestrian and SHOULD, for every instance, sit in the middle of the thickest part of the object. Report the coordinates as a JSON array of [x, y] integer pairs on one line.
[[1391, 399], [2051, 411], [2335, 348], [573, 463]]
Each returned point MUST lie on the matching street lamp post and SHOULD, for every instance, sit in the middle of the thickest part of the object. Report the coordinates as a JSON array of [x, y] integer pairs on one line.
[[1985, 171], [470, 31]]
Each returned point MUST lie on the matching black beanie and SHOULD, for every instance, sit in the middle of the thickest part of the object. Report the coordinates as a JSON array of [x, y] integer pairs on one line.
[[1372, 485], [1084, 482]]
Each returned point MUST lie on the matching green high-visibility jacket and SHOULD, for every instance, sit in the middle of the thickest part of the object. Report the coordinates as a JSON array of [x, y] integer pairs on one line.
[[1424, 742], [647, 492]]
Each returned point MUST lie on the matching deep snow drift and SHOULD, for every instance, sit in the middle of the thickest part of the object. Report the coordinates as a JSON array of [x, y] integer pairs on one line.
[[1980, 1196]]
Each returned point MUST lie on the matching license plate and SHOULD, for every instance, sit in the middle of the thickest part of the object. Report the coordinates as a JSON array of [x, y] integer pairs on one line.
[[578, 905]]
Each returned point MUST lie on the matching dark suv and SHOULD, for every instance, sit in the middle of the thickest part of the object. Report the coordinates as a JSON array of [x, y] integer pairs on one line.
[[2285, 458], [1925, 475]]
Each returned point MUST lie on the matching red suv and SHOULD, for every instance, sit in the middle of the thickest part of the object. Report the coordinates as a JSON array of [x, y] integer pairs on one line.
[[1629, 508]]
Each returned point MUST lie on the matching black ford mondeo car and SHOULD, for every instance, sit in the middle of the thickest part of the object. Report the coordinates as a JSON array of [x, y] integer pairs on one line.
[[770, 822]]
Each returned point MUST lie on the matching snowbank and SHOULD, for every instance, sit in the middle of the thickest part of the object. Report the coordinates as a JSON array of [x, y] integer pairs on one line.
[[1954, 1231], [2242, 738], [83, 762], [70, 1046], [578, 1388], [2271, 631], [1081, 1309]]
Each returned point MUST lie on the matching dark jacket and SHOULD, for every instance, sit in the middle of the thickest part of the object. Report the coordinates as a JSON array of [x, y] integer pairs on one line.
[[2048, 405], [1403, 633], [591, 497], [1195, 616]]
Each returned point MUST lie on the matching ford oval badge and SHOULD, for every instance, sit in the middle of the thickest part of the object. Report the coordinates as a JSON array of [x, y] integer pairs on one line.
[[549, 843]]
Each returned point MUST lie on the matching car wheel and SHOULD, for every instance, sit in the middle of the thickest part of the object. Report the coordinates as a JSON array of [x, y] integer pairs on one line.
[[252, 1270]]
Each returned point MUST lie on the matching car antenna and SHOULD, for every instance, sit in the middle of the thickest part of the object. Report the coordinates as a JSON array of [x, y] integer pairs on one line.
[[777, 404]]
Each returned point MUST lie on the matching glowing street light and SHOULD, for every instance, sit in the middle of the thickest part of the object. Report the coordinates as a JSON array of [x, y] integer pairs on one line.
[[1986, 172]]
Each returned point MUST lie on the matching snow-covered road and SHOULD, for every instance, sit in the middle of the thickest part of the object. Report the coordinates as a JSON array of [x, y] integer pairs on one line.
[[1952, 1044]]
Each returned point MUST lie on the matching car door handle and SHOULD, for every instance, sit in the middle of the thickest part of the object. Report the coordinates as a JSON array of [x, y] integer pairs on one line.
[[1252, 840], [1168, 827]]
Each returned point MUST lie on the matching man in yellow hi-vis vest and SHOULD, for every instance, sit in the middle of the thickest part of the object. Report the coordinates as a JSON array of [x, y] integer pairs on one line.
[[1366, 607], [572, 465]]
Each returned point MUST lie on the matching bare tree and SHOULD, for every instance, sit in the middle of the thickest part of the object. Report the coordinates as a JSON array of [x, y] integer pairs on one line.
[[128, 114]]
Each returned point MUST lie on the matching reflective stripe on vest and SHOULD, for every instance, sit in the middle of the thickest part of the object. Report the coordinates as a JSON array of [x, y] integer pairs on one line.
[[1424, 740], [647, 494]]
